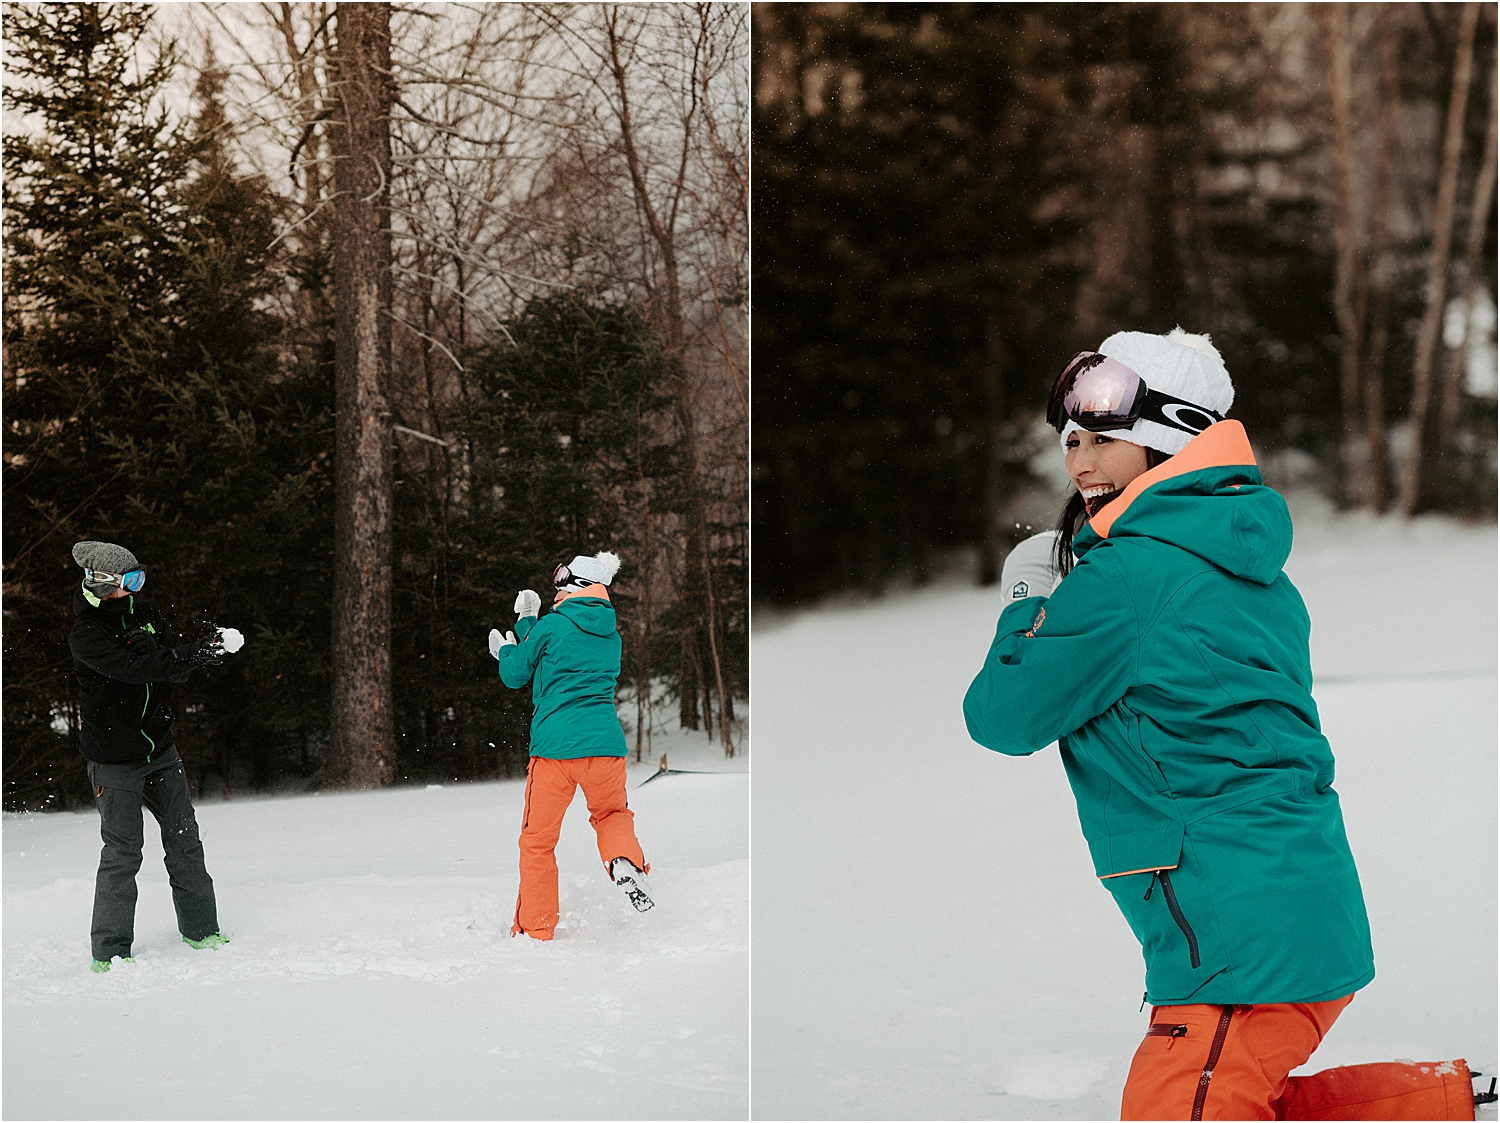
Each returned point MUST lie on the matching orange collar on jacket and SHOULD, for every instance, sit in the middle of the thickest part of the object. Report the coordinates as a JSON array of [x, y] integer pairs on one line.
[[1222, 444]]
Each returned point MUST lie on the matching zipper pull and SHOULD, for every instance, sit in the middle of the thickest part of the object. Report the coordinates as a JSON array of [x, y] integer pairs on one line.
[[1143, 1000], [1152, 886]]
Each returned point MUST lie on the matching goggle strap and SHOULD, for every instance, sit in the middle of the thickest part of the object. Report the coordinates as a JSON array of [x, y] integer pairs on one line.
[[1154, 405], [1155, 408]]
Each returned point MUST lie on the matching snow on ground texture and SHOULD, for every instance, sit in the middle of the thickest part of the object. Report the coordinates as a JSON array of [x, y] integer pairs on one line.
[[930, 940], [371, 973]]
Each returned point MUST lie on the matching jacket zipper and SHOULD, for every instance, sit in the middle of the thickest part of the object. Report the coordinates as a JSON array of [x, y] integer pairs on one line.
[[1213, 1059], [1172, 906], [147, 706], [146, 735]]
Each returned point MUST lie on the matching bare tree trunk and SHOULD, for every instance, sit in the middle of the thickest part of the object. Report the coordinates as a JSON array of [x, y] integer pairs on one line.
[[1437, 271], [1383, 261], [700, 681], [304, 61], [708, 694], [1479, 221], [641, 684], [361, 750], [1347, 282], [687, 680], [312, 110], [663, 228], [643, 653], [713, 646]]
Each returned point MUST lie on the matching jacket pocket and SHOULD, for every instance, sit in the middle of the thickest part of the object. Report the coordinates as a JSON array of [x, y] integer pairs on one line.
[[1170, 909], [1149, 767], [1165, 878]]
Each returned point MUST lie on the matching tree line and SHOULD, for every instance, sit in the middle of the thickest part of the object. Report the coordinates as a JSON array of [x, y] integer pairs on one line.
[[554, 371], [951, 200]]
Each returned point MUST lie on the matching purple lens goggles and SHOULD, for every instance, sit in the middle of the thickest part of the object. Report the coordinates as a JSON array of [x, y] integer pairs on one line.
[[565, 578], [1102, 394]]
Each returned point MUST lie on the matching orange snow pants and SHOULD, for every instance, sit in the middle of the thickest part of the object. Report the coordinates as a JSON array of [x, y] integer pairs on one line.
[[549, 789], [1232, 1062]]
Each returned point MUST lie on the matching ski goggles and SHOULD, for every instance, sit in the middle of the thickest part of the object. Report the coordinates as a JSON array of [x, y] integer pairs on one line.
[[1102, 394], [563, 577], [132, 581]]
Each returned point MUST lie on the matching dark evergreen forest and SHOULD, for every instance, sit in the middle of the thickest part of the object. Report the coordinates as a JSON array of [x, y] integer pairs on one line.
[[950, 200], [168, 357]]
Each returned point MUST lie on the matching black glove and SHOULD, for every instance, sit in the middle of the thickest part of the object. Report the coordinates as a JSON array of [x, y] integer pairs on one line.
[[204, 652], [140, 641]]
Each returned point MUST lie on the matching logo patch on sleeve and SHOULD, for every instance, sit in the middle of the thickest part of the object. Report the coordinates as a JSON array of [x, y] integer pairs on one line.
[[1020, 591]]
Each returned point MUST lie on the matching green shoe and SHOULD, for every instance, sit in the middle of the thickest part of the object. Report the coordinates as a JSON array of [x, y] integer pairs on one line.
[[215, 941], [99, 966]]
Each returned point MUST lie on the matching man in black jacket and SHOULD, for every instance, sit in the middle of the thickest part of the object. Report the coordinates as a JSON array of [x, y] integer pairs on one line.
[[123, 651]]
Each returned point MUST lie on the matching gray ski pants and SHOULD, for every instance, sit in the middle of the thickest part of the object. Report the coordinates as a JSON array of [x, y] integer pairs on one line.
[[120, 791]]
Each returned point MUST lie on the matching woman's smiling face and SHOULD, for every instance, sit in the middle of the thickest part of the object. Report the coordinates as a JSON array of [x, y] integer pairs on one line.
[[1098, 464]]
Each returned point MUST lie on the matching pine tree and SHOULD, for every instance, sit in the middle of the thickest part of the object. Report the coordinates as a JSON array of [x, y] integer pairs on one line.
[[91, 264], [926, 176], [146, 406], [565, 425]]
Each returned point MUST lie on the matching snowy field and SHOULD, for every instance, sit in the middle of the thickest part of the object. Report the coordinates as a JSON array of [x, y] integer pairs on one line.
[[371, 973], [930, 941]]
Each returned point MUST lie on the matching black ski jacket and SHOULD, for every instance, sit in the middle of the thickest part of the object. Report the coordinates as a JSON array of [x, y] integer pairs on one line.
[[123, 650]]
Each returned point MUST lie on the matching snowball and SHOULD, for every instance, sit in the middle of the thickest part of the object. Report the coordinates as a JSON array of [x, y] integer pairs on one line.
[[231, 639]]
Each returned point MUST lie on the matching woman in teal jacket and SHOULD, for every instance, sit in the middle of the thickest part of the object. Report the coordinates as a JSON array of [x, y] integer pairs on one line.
[[1171, 667], [572, 660]]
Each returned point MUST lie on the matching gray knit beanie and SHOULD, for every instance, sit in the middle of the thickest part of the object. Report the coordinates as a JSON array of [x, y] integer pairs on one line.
[[105, 557]]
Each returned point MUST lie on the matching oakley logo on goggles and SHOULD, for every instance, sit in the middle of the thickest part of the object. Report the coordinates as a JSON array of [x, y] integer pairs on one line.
[[132, 581], [1102, 394]]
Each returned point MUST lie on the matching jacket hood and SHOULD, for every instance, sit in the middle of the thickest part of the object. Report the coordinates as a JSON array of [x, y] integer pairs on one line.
[[1210, 500], [115, 606], [593, 615]]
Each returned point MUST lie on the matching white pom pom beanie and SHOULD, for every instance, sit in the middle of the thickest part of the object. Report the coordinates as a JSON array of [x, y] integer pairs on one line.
[[597, 570], [1179, 363]]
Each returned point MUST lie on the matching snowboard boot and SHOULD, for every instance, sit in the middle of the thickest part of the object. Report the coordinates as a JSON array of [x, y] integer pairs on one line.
[[214, 941], [100, 966], [633, 881]]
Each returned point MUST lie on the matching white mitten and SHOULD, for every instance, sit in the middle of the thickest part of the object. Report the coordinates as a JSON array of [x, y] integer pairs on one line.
[[527, 603], [231, 639], [1030, 569], [495, 641]]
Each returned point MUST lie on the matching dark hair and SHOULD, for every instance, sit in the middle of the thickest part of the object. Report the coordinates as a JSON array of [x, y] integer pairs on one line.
[[1076, 510]]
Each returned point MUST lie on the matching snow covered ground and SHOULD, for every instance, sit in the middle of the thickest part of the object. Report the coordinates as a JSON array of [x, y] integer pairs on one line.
[[371, 973], [930, 941]]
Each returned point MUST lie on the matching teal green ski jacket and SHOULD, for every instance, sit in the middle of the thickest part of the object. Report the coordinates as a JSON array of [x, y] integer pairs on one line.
[[1171, 667], [571, 657]]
